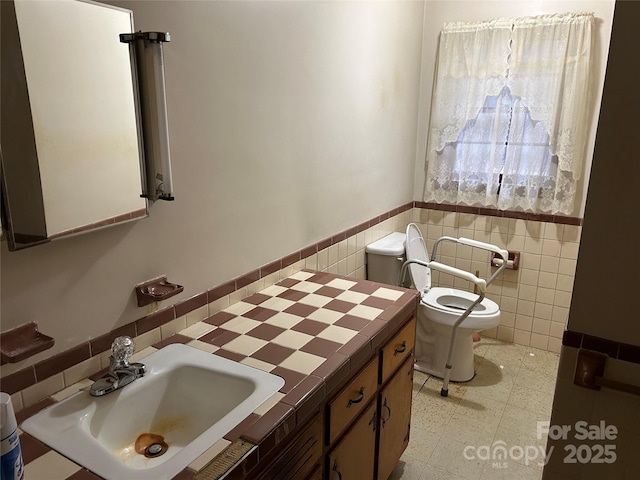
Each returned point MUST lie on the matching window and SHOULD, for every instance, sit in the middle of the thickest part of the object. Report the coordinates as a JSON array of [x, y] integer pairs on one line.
[[508, 113]]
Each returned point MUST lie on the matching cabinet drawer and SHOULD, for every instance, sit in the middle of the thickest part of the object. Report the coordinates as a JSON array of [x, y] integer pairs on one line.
[[352, 399], [394, 352]]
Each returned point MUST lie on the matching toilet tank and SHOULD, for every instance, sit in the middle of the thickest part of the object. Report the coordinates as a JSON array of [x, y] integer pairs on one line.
[[385, 258]]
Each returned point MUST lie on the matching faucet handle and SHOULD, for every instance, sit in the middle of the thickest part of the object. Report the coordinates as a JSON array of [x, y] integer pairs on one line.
[[121, 349]]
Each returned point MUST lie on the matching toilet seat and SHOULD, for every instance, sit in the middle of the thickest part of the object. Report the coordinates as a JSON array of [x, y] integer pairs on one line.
[[445, 305]]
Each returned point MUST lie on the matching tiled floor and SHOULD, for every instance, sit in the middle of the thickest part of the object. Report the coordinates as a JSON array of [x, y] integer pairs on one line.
[[462, 436]]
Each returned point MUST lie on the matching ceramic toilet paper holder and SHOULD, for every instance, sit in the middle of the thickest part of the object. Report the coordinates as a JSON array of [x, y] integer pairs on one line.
[[513, 262]]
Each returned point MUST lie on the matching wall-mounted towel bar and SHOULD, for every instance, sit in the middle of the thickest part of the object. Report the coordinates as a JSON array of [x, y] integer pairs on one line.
[[590, 373]]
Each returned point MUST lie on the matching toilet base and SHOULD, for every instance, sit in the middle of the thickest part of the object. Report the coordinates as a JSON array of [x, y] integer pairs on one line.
[[432, 349]]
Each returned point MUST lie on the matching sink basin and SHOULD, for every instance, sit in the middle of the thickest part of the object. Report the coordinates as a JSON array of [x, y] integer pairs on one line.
[[188, 398]]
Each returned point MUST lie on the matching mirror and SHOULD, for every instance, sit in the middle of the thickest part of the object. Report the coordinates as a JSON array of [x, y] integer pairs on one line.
[[70, 130]]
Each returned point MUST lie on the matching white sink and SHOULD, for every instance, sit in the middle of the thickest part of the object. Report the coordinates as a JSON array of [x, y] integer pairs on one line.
[[189, 397]]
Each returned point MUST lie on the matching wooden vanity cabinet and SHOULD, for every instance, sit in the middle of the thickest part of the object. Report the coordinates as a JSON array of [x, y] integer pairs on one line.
[[365, 426], [374, 442]]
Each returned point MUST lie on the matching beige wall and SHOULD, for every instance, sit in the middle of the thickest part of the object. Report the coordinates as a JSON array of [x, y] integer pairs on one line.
[[437, 12], [289, 122], [346, 257]]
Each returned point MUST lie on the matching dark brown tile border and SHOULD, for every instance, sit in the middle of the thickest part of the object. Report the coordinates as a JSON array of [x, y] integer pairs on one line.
[[190, 304], [155, 320], [220, 291], [333, 371], [103, 342], [291, 259], [31, 410], [616, 350], [243, 426], [494, 212], [62, 361], [19, 380], [248, 279], [26, 377], [306, 397]]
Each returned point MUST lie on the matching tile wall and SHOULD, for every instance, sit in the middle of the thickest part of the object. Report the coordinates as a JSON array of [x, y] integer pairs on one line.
[[534, 300], [344, 254]]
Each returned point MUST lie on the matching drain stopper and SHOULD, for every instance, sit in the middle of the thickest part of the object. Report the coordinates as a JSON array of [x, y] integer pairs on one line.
[[154, 449]]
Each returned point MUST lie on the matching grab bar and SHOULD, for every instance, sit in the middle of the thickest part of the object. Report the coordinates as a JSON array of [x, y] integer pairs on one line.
[[476, 244], [590, 373], [480, 282], [615, 385]]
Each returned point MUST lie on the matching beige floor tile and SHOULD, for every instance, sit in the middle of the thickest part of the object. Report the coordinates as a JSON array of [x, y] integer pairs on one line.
[[450, 455], [432, 412], [509, 471], [530, 399], [456, 390], [528, 449], [503, 355], [491, 382], [431, 472], [524, 421], [479, 409], [540, 361], [422, 443], [470, 431], [419, 379], [512, 390], [536, 381], [407, 469]]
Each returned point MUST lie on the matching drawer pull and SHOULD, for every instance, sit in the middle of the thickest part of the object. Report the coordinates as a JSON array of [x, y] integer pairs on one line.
[[402, 348], [335, 469], [357, 400]]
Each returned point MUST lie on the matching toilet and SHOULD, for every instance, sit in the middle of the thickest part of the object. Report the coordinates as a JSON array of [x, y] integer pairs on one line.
[[439, 309]]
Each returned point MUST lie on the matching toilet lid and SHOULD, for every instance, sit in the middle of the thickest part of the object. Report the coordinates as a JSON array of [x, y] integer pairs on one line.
[[417, 250]]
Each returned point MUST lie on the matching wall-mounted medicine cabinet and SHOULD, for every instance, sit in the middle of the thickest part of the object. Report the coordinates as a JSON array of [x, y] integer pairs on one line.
[[72, 149]]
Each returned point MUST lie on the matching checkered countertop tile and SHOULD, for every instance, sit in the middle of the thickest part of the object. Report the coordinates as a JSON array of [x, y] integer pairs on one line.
[[289, 329]]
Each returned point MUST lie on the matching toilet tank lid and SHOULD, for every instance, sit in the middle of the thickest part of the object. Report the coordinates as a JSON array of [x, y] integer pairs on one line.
[[392, 245]]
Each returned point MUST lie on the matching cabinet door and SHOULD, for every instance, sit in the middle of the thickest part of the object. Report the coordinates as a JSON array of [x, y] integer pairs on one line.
[[353, 458], [395, 418]]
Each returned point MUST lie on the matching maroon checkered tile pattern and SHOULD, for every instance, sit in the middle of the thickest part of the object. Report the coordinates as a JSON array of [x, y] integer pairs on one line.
[[292, 327], [302, 329]]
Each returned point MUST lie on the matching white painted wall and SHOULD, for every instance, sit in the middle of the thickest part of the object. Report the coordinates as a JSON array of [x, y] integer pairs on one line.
[[289, 122], [438, 12]]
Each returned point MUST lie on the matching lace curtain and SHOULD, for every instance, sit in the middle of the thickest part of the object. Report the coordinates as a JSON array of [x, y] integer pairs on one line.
[[508, 122]]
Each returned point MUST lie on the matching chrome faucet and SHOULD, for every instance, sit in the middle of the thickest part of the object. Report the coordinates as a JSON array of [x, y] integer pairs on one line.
[[121, 372]]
